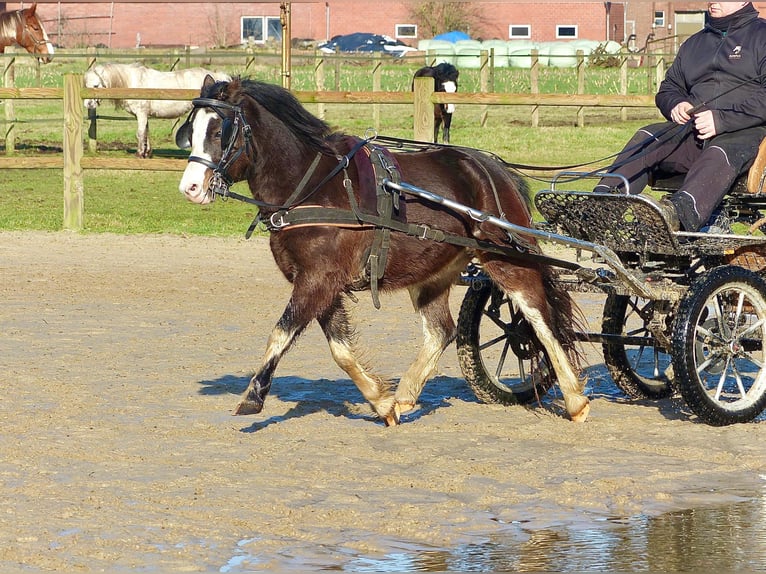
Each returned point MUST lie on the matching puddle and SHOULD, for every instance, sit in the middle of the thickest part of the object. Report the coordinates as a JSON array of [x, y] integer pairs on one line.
[[722, 538]]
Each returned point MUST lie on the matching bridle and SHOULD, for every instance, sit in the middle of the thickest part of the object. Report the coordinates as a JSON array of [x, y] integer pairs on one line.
[[231, 125], [25, 30]]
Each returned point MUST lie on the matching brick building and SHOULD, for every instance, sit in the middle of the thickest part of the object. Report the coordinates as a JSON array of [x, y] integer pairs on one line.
[[210, 24]]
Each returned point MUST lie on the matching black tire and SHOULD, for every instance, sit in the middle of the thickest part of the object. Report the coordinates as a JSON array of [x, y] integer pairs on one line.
[[637, 365], [501, 358], [718, 352]]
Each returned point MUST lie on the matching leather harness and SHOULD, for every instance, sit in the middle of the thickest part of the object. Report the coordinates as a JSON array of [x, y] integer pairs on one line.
[[385, 211]]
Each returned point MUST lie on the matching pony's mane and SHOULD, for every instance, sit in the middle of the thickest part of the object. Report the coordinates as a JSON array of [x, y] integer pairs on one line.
[[115, 75], [279, 102]]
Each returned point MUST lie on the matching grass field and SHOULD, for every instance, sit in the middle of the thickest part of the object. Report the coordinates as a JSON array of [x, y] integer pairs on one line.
[[149, 202]]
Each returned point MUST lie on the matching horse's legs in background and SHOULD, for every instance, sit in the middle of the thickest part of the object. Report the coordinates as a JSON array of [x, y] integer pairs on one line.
[[142, 135], [538, 303], [342, 340], [447, 116], [437, 121], [438, 333]]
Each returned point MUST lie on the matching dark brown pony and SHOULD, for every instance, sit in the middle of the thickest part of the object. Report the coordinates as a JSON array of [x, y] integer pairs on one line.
[[258, 132], [23, 28], [445, 80]]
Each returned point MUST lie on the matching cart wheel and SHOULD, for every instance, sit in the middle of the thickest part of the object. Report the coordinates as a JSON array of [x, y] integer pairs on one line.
[[638, 367], [718, 346], [499, 354]]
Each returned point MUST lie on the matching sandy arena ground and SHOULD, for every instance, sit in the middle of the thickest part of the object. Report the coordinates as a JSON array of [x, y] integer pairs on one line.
[[123, 356]]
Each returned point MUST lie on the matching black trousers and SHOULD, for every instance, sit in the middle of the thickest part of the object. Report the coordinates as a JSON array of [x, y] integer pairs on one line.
[[711, 166]]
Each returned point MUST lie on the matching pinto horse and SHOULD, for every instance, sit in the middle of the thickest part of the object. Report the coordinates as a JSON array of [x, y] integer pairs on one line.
[[445, 80], [293, 164], [23, 28]]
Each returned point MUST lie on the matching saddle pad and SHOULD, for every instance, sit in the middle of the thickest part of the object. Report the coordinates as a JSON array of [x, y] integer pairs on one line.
[[370, 171]]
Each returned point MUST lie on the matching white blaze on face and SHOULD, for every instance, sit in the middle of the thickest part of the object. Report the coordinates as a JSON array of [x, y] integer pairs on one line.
[[194, 182], [450, 87], [48, 44]]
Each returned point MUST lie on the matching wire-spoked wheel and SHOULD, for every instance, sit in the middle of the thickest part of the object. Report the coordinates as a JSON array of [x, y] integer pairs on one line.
[[638, 365], [718, 352], [499, 354]]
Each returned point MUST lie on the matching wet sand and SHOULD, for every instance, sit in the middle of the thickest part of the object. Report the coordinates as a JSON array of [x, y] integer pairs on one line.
[[123, 357]]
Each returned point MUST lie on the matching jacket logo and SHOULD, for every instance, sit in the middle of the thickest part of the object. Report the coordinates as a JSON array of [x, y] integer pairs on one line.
[[736, 53]]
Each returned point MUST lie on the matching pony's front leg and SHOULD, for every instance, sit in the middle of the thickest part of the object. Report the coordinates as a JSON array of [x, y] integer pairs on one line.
[[438, 333], [342, 340], [280, 339]]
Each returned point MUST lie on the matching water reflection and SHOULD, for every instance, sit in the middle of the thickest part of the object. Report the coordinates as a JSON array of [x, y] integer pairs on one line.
[[709, 539]]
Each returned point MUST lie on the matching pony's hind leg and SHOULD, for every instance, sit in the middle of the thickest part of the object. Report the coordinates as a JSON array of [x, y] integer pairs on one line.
[[551, 312], [438, 333], [342, 341]]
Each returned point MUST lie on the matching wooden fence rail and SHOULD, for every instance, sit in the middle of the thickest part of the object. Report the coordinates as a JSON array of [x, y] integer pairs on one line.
[[73, 160]]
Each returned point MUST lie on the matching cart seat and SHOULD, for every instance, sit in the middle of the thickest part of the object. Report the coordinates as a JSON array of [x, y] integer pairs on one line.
[[751, 183]]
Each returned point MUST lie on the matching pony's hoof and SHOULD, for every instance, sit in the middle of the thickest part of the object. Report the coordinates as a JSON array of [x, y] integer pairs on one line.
[[402, 407], [248, 407], [392, 418], [582, 414]]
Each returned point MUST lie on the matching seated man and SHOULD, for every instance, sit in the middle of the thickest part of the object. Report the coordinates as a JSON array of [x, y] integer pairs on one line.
[[714, 96]]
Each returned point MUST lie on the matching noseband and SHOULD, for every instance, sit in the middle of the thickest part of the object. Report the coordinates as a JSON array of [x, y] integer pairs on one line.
[[230, 129]]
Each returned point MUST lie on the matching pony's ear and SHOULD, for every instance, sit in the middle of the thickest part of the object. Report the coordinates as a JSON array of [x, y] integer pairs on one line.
[[209, 81], [31, 9]]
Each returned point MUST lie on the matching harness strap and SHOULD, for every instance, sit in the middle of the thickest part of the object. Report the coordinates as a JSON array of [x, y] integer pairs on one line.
[[331, 216]]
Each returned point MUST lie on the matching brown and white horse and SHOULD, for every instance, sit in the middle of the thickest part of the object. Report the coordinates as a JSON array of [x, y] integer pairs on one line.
[[258, 132], [23, 28]]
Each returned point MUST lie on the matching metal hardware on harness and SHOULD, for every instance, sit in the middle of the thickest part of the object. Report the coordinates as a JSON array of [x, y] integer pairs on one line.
[[279, 222]]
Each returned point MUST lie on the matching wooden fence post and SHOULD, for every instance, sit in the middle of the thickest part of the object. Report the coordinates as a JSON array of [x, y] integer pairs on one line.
[[624, 85], [337, 69], [534, 76], [483, 84], [423, 110], [580, 86], [319, 76], [73, 181], [9, 81], [377, 66]]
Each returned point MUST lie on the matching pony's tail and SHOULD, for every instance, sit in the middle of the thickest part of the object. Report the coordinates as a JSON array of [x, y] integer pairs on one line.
[[568, 320]]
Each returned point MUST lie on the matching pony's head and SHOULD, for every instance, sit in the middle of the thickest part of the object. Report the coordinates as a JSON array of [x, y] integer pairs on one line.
[[31, 35], [228, 126], [94, 78]]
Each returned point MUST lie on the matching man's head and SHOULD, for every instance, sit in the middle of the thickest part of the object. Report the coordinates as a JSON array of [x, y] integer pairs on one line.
[[721, 9]]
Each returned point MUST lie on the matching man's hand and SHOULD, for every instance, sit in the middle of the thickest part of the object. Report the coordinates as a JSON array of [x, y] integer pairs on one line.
[[680, 113], [704, 125]]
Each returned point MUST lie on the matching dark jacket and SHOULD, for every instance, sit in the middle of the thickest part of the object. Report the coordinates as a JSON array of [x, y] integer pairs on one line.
[[724, 69]]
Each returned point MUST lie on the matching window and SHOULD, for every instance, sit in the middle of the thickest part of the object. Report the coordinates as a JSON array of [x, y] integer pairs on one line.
[[659, 18], [567, 32], [260, 29], [519, 31], [406, 31]]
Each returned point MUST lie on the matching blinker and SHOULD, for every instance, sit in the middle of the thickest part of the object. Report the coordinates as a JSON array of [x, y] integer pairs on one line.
[[227, 131], [183, 135]]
